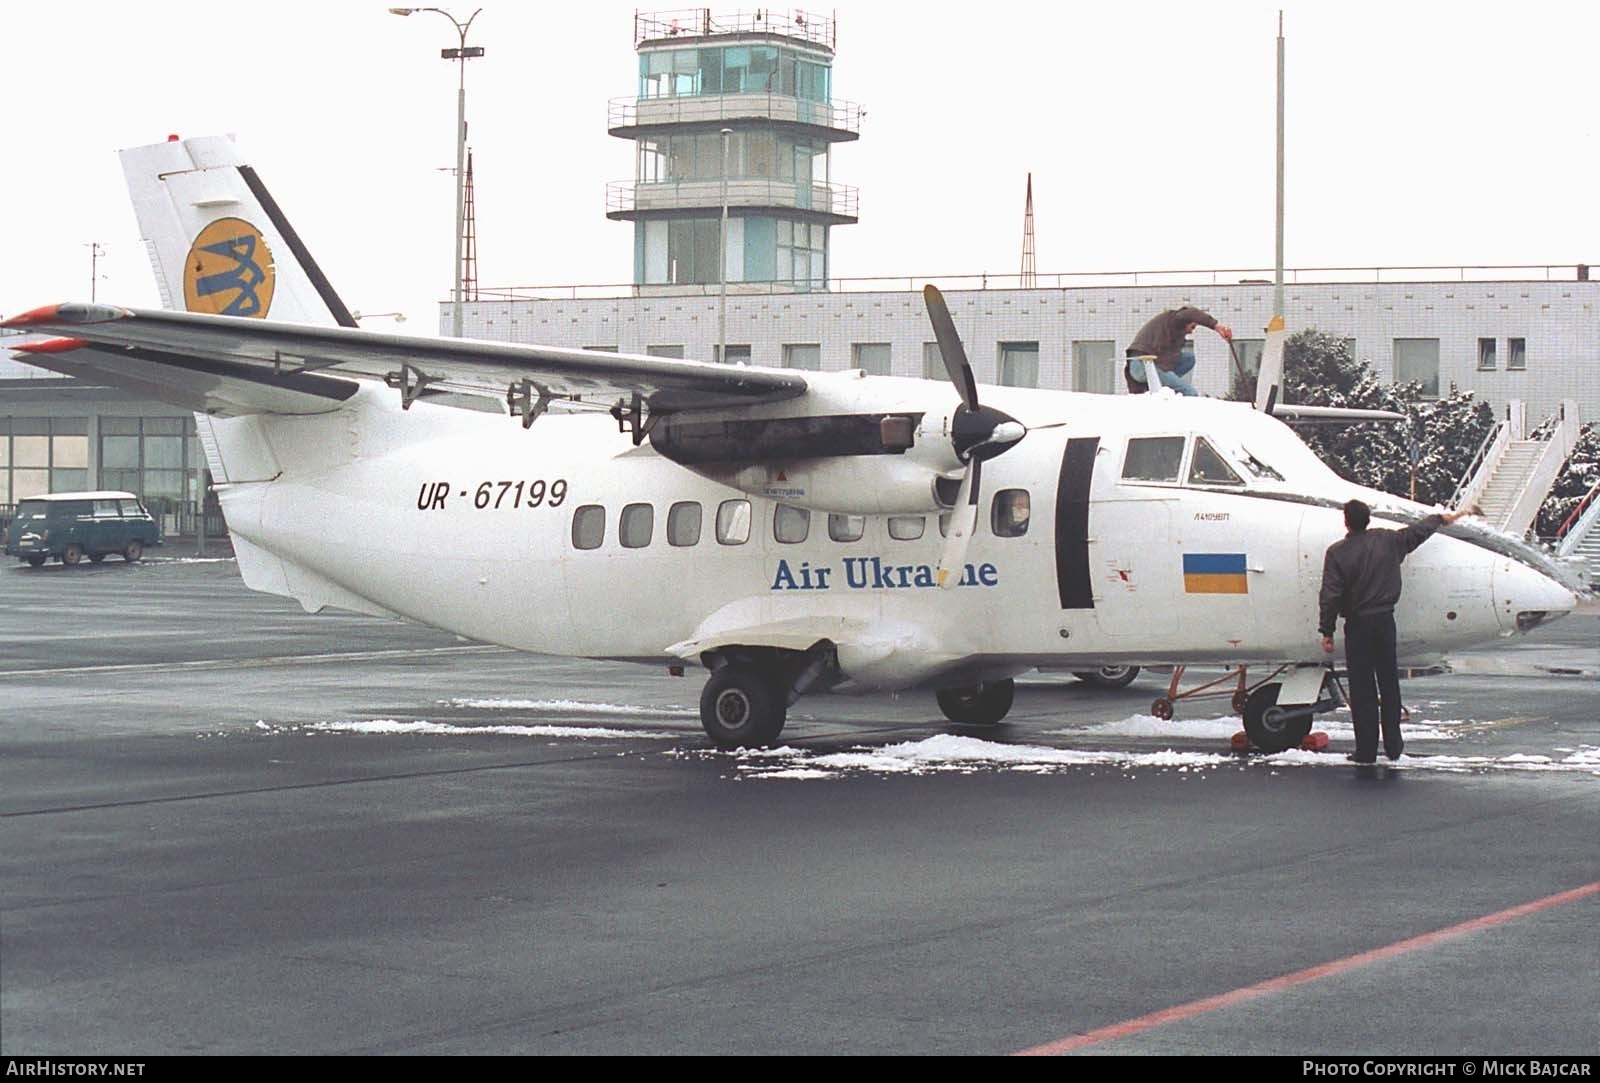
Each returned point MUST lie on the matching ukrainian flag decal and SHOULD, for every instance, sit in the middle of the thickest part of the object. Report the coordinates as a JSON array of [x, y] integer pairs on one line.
[[1215, 573]]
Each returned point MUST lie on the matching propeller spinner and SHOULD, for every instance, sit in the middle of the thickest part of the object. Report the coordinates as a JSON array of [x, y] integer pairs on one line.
[[977, 433]]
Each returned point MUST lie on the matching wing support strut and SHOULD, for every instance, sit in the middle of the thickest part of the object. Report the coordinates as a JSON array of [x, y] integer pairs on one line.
[[410, 380], [528, 400], [631, 419]]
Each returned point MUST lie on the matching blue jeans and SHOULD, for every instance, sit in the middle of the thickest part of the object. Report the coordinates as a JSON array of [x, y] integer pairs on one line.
[[1174, 379]]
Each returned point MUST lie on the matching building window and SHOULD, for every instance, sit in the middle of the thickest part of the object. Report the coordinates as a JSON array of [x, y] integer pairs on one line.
[[1486, 354], [737, 355], [1417, 359], [155, 458], [933, 362], [802, 254], [802, 355], [870, 357], [1094, 367], [1249, 351], [43, 455], [637, 525], [588, 527], [664, 351], [1019, 364], [733, 522], [683, 523], [1516, 354]]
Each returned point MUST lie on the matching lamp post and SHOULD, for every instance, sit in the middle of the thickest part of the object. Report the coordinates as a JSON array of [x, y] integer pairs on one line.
[[461, 55], [722, 259]]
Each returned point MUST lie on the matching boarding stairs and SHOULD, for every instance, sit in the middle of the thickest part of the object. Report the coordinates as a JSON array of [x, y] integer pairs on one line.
[[1580, 542], [1513, 473]]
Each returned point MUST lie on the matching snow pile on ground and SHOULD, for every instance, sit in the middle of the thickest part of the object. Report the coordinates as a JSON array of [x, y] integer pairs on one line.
[[445, 729]]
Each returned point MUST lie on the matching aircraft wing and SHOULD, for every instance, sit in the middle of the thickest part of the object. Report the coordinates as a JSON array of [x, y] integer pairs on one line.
[[238, 365]]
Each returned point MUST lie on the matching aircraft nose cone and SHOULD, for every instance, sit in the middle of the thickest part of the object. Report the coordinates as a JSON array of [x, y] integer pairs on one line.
[[1526, 598]]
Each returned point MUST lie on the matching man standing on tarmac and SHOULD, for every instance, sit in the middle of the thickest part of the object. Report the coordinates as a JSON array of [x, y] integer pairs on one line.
[[1164, 338], [1361, 581]]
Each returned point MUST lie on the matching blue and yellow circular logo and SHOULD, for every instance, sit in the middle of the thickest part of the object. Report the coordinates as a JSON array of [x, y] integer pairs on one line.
[[229, 271]]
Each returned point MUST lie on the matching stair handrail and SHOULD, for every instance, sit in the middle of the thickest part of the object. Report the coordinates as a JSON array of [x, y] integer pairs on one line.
[[1583, 505], [1469, 477], [1541, 478]]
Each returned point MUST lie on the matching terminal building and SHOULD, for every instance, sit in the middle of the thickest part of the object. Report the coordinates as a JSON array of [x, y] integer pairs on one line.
[[732, 206]]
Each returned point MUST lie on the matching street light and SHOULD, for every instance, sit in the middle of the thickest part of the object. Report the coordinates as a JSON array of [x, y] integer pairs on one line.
[[398, 317], [722, 259], [461, 56]]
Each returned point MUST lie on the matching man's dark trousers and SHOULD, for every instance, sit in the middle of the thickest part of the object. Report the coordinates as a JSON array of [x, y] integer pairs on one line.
[[1369, 654]]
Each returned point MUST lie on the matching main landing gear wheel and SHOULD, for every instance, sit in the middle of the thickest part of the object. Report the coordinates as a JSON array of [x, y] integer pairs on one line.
[[978, 704], [1109, 676], [1272, 728], [742, 707]]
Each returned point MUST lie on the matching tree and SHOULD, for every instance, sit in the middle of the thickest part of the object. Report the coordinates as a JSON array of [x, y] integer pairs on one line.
[[1320, 370]]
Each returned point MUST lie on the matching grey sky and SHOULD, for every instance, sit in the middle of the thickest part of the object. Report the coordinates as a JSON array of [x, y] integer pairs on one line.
[[1419, 133]]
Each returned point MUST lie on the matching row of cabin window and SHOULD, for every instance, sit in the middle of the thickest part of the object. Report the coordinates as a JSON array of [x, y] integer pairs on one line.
[[1008, 518]]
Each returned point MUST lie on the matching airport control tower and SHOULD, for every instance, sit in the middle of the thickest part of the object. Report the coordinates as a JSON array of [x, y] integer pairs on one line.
[[733, 121]]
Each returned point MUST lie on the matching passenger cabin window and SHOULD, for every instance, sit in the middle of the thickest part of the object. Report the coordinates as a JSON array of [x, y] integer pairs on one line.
[[906, 527], [683, 523], [733, 522], [791, 525], [1209, 468], [638, 523], [846, 528], [1153, 458], [1009, 515], [588, 527]]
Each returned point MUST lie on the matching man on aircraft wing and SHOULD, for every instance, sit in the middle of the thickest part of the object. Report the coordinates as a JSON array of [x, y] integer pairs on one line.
[[1164, 338]]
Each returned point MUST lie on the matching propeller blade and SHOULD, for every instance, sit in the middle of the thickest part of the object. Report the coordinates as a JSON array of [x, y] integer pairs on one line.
[[963, 521], [950, 348]]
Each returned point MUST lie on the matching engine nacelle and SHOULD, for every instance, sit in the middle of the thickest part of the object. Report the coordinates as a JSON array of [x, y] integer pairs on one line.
[[855, 485]]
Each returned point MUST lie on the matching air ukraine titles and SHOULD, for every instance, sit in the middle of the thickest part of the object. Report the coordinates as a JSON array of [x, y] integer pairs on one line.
[[871, 573]]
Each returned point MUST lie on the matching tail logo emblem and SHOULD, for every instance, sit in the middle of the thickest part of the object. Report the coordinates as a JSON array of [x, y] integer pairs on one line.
[[229, 271]]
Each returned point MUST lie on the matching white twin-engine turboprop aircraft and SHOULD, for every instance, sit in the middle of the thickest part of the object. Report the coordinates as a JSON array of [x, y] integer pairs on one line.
[[791, 532]]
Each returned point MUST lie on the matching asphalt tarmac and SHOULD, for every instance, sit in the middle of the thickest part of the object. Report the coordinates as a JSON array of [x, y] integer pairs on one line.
[[230, 827]]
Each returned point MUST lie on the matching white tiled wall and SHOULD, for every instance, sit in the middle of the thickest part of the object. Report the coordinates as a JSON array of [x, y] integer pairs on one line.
[[1559, 320]]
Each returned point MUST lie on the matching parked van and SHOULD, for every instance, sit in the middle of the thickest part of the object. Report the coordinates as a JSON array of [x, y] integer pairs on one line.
[[71, 526]]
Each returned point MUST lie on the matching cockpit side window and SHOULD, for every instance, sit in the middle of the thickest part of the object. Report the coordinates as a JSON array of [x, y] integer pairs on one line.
[[1256, 466], [1153, 458], [1209, 468]]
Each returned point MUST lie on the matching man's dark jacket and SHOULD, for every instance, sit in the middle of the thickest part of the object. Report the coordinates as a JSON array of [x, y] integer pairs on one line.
[[1164, 335], [1361, 573]]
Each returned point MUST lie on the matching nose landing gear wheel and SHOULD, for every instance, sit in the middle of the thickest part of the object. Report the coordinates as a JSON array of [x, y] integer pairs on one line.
[[1162, 709], [1272, 728]]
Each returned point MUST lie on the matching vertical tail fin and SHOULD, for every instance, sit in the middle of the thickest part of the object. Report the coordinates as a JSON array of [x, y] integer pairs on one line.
[[218, 241]]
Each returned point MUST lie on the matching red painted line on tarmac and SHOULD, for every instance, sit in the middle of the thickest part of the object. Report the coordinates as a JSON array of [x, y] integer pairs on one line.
[[1301, 977]]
